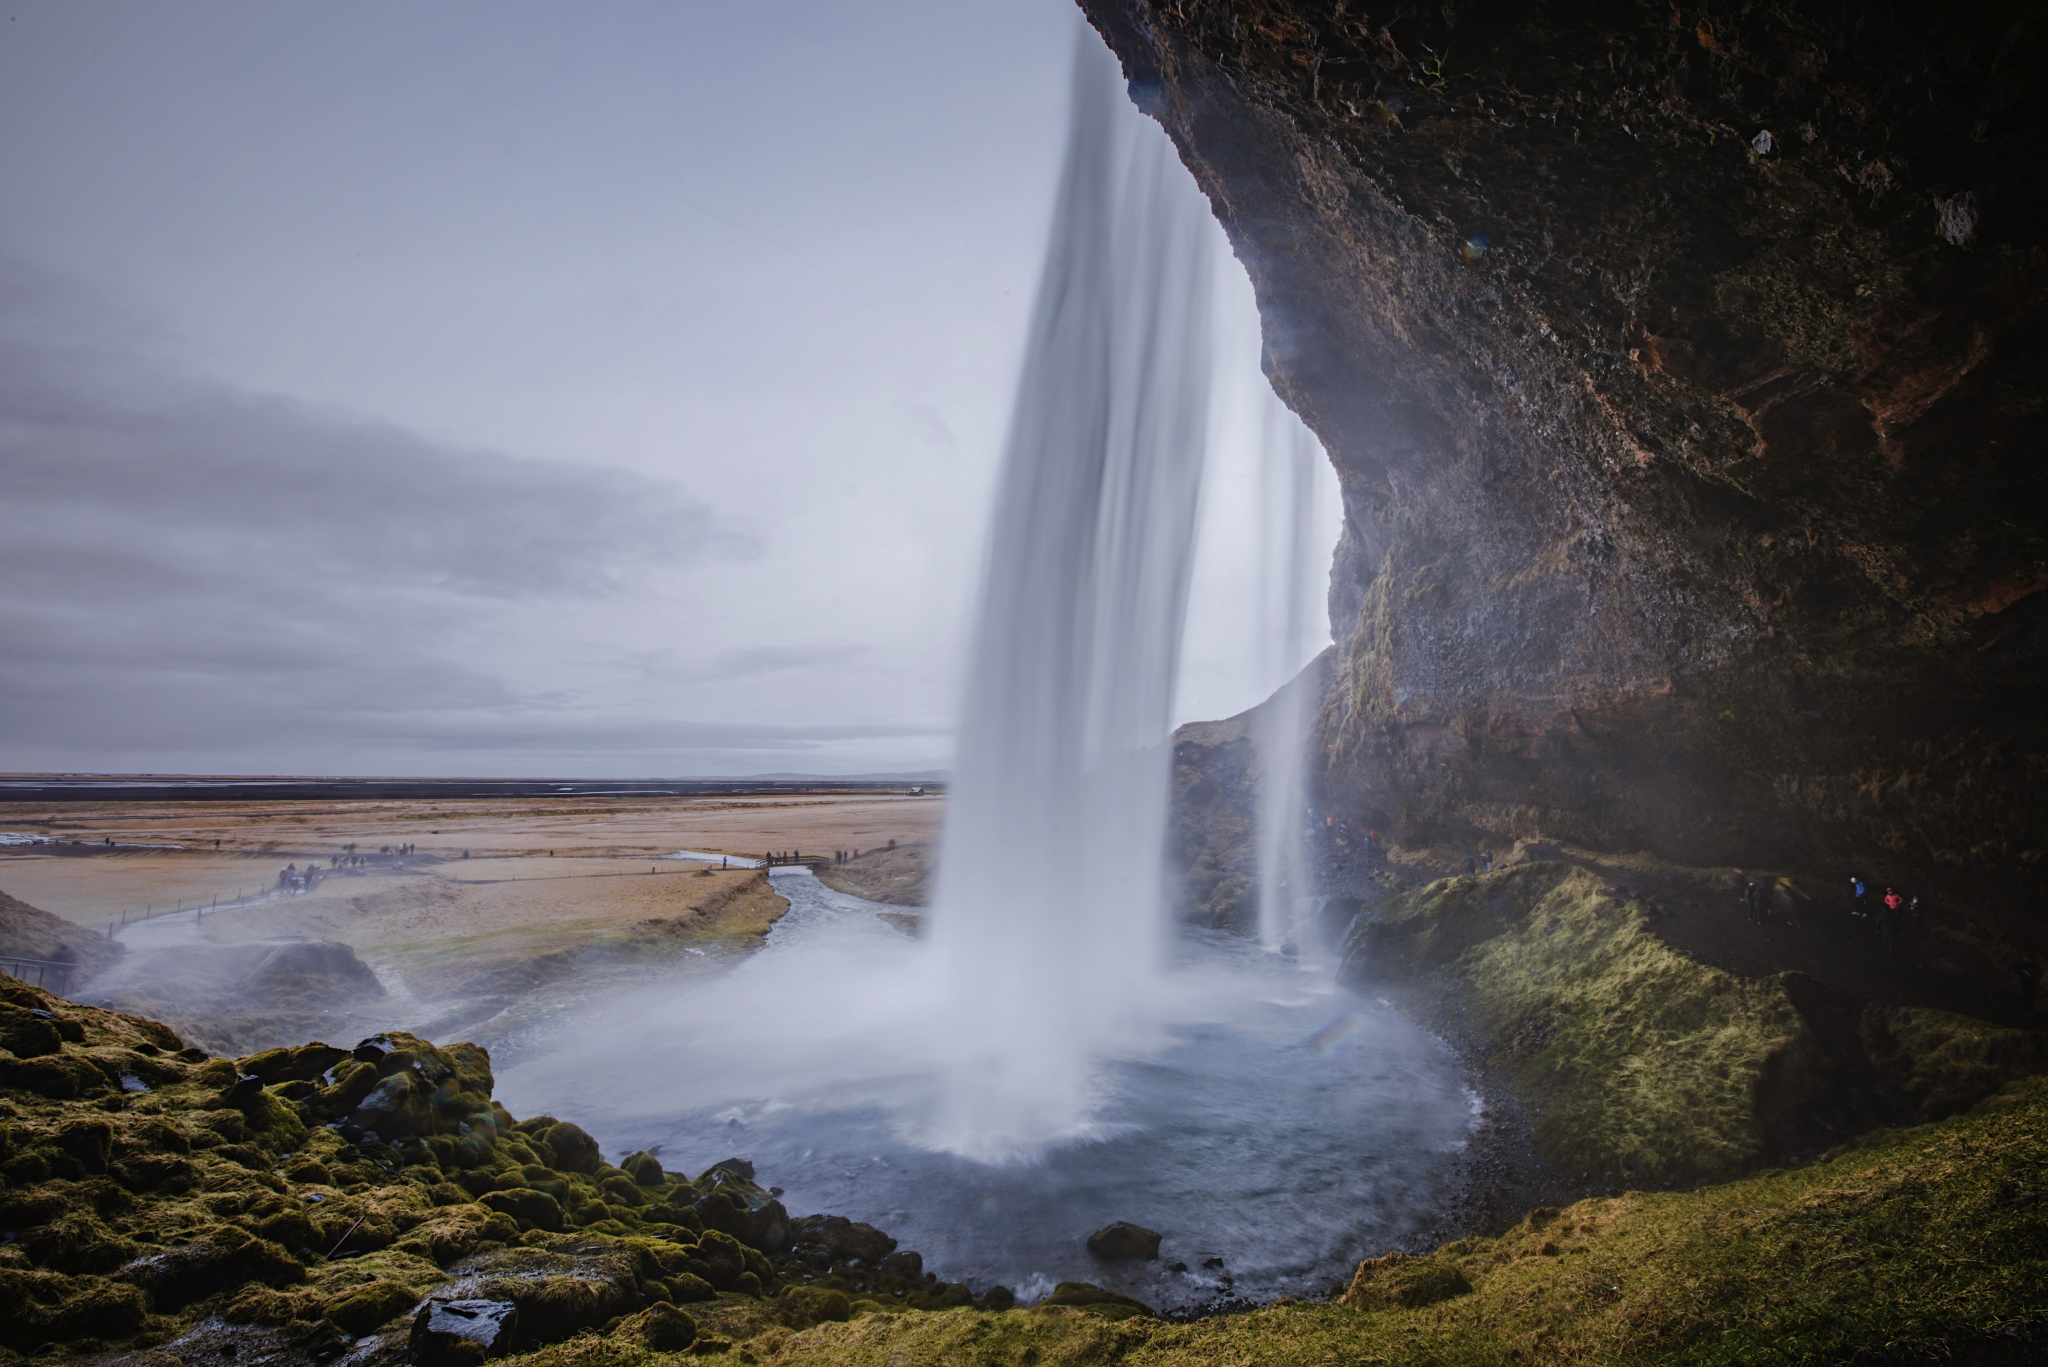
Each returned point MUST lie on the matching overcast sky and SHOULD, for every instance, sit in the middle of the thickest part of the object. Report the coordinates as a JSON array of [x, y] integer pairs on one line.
[[506, 388]]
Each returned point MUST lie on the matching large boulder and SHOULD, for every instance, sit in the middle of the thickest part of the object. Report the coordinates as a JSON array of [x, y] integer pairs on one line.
[[1123, 1241], [455, 1333]]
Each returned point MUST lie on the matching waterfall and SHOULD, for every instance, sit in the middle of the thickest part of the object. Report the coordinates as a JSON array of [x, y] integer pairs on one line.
[[1047, 926], [1288, 604]]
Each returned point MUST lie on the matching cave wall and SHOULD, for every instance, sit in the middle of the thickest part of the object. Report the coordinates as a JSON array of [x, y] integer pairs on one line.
[[1681, 368]]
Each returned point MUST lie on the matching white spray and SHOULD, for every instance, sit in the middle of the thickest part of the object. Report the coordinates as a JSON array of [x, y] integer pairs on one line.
[[994, 1037], [1047, 926]]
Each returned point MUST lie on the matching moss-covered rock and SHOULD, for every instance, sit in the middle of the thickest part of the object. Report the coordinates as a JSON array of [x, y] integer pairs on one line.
[[644, 1168], [26, 1033], [56, 1076], [358, 1311], [1635, 1061], [574, 1150], [660, 1327], [37, 1308], [1941, 1063], [1096, 1300], [1398, 1281]]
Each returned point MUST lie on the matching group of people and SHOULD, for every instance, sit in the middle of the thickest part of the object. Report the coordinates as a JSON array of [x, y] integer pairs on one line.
[[1887, 915], [292, 878]]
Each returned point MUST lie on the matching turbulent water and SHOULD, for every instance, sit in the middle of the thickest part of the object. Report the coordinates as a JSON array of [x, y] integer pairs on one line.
[[1285, 1127]]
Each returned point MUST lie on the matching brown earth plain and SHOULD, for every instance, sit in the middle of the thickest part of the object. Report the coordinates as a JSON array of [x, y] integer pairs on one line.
[[499, 911]]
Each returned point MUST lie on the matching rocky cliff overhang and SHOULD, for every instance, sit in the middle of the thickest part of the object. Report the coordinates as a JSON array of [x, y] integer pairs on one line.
[[1682, 369]]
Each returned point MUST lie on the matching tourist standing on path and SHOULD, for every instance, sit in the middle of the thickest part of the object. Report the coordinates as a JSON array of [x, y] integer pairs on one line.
[[1888, 921], [1859, 897]]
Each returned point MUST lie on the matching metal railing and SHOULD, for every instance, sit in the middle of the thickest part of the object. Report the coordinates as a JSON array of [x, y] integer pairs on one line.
[[44, 970]]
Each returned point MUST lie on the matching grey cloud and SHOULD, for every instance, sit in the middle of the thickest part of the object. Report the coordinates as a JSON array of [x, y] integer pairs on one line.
[[210, 479], [186, 566], [739, 664]]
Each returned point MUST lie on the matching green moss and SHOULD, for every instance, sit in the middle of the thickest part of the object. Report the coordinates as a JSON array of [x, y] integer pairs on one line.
[[1398, 1281], [1946, 1062], [1096, 1300], [364, 1308], [1634, 1060], [660, 1327], [273, 1122]]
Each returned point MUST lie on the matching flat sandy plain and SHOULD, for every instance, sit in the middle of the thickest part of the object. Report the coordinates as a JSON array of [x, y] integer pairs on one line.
[[564, 895]]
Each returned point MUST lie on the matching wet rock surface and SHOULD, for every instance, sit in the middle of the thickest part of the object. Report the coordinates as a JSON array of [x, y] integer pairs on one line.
[[1681, 384], [449, 1332], [1124, 1240]]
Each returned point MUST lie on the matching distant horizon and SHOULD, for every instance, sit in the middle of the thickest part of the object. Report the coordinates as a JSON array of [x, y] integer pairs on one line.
[[783, 776]]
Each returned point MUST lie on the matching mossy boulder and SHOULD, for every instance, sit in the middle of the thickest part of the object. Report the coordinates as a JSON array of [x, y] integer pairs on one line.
[[77, 1242], [532, 1209], [44, 1307], [574, 1150], [56, 1076], [272, 1122], [561, 1290], [26, 1033], [218, 1257], [644, 1168], [359, 1310], [1398, 1281], [818, 1304], [663, 1328], [844, 1239], [306, 1063], [1124, 1241]]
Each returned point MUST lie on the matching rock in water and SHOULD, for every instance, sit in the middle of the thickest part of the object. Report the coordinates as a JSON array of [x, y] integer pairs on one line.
[[312, 971], [1123, 1240], [451, 1333]]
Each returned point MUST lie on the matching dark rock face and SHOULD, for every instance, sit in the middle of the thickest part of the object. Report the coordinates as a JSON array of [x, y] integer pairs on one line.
[[1681, 369], [1212, 825]]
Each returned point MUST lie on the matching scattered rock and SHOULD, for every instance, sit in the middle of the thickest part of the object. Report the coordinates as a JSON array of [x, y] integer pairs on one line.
[[456, 1333], [1124, 1240]]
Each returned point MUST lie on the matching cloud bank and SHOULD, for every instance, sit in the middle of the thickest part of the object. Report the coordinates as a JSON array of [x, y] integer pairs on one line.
[[195, 569]]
